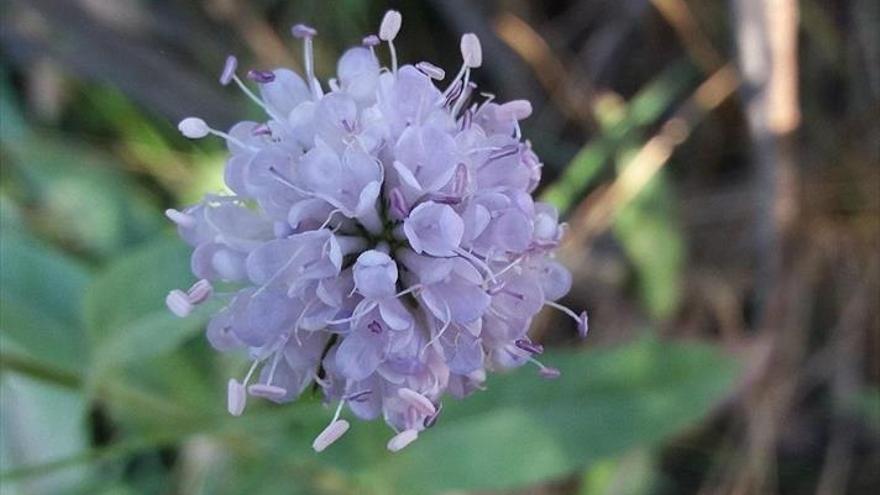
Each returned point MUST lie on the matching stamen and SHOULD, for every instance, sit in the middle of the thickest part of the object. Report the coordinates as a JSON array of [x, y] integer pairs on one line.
[[193, 128], [431, 70], [528, 346], [412, 288], [307, 33], [467, 119], [254, 98], [418, 401], [330, 434], [329, 217], [388, 31], [272, 392], [454, 89], [200, 292], [476, 261], [181, 219], [455, 86], [461, 179], [402, 439], [228, 70], [446, 325], [582, 319], [371, 42], [471, 51], [196, 128], [545, 371], [179, 304], [443, 198], [375, 327], [432, 419], [235, 398], [510, 266], [504, 152], [549, 373], [467, 91], [495, 289], [360, 396], [397, 204], [261, 130], [261, 76], [515, 110]]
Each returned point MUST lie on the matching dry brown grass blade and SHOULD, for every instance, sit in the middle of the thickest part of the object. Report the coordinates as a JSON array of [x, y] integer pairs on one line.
[[595, 214], [572, 95]]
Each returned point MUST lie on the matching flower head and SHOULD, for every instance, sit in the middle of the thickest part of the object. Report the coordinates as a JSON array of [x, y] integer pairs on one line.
[[382, 235]]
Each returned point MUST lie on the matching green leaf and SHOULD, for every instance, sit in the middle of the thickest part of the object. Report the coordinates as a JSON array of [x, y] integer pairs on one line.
[[41, 297], [39, 424], [654, 243], [125, 309], [525, 430], [642, 110], [76, 196]]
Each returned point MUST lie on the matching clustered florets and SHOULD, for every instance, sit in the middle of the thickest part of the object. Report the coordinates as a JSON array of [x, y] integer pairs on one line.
[[383, 235]]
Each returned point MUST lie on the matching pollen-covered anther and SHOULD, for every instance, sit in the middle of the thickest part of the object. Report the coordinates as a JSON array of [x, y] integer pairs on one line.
[[331, 433], [371, 40], [471, 50], [302, 31], [390, 25], [261, 76], [236, 398], [266, 391], [178, 302], [515, 110], [402, 439], [431, 70], [583, 324], [181, 219], [193, 128], [549, 373]]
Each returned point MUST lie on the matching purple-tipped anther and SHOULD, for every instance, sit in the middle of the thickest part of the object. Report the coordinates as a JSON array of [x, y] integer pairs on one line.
[[272, 392], [397, 205], [303, 31], [583, 324], [228, 70], [375, 327], [529, 346], [261, 130], [200, 292], [371, 40], [261, 76], [549, 373]]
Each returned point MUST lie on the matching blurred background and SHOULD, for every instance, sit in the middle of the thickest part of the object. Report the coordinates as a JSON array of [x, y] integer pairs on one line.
[[718, 164]]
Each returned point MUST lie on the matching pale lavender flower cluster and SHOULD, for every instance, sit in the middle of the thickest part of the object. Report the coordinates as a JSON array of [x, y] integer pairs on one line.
[[383, 235]]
